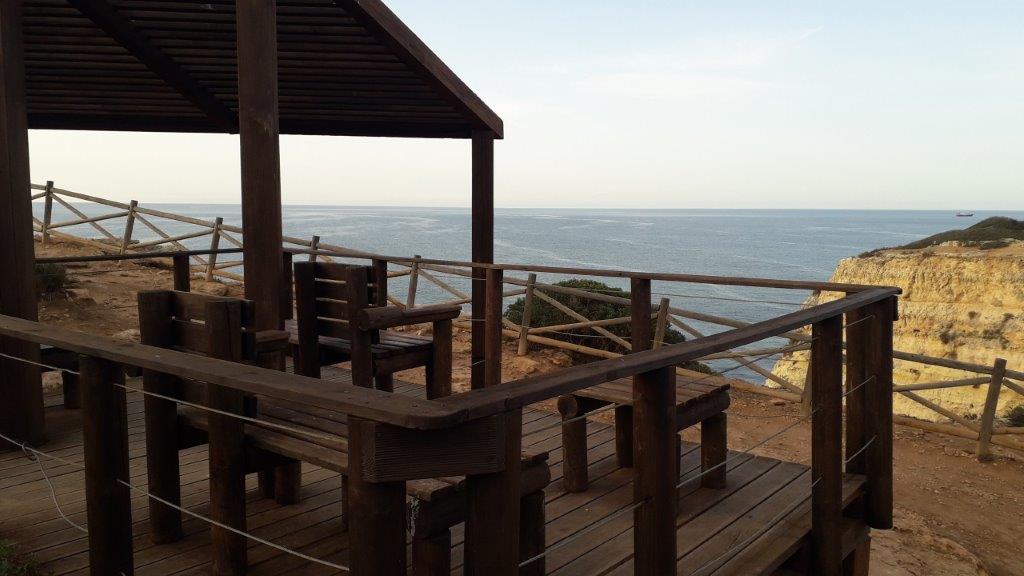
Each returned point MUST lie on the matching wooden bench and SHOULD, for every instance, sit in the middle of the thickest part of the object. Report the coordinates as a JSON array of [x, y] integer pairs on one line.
[[329, 296], [699, 400], [435, 505], [218, 327]]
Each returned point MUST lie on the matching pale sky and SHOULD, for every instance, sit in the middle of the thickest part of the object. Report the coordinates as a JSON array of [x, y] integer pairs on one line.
[[656, 103]]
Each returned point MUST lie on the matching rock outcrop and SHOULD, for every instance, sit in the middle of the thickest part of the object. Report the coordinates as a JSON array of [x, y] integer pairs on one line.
[[958, 303]]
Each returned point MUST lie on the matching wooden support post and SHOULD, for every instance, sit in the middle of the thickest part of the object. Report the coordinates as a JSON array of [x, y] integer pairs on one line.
[[532, 533], [524, 324], [211, 261], [161, 416], [858, 341], [287, 287], [574, 444], [827, 447], [105, 439], [988, 416], [129, 226], [493, 512], [439, 370], [878, 415], [714, 449], [661, 325], [640, 329], [182, 273], [624, 436], [227, 444], [378, 522], [654, 484], [256, 38], [414, 280], [492, 321], [483, 243], [47, 212], [314, 245], [21, 412]]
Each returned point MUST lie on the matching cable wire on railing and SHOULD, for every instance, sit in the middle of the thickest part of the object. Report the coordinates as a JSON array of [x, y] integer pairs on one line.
[[255, 421], [40, 364], [33, 455], [242, 533], [583, 531]]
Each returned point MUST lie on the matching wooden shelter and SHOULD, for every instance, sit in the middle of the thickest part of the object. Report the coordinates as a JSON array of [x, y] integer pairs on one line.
[[258, 68]]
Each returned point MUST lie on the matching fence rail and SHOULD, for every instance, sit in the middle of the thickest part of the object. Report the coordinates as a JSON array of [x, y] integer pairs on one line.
[[443, 276]]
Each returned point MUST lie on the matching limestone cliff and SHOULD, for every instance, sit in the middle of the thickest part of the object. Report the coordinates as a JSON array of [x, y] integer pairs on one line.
[[959, 303]]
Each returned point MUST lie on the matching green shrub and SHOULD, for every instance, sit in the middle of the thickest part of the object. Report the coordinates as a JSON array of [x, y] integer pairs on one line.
[[53, 279], [545, 314], [14, 564], [1016, 416]]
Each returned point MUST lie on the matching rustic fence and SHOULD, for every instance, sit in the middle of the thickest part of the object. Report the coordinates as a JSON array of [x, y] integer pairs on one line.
[[445, 277]]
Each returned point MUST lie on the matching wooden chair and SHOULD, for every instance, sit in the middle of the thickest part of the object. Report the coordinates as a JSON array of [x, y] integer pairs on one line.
[[219, 328], [342, 315]]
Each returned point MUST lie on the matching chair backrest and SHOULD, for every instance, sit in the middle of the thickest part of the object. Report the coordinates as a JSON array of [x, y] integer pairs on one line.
[[213, 326], [328, 296]]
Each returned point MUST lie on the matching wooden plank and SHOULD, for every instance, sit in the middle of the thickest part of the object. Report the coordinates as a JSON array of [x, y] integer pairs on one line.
[[492, 322], [21, 414], [261, 158], [391, 454], [124, 32], [826, 446], [387, 27], [104, 433], [524, 324]]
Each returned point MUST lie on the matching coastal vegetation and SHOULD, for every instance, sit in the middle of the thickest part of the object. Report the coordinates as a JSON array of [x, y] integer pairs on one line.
[[12, 563], [53, 279], [989, 234]]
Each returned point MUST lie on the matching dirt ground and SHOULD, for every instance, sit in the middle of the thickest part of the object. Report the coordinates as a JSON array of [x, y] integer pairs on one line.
[[954, 516]]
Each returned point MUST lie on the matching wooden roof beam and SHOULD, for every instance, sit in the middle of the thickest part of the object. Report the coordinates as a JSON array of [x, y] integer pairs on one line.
[[121, 30], [388, 28]]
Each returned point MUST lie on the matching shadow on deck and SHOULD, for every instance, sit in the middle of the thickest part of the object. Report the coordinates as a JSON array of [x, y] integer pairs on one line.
[[752, 526]]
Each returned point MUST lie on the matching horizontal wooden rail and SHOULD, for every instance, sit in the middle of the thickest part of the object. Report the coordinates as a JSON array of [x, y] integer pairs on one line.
[[133, 256]]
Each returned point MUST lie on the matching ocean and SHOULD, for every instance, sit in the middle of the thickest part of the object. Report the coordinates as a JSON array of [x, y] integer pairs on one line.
[[784, 244]]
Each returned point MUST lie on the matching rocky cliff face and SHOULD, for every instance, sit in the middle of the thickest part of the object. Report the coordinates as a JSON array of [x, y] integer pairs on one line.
[[958, 303]]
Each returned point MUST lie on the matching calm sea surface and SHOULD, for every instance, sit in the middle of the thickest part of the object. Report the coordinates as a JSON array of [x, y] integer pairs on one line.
[[787, 244]]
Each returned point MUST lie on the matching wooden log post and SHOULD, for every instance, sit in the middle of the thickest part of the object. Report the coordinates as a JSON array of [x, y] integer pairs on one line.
[[182, 273], [414, 280], [661, 324], [105, 439], [287, 287], [878, 414], [483, 243], [258, 122], [492, 321], [47, 212], [827, 447], [524, 324], [378, 512], [21, 412], [988, 416], [129, 226], [493, 513], [314, 245], [211, 261], [654, 450]]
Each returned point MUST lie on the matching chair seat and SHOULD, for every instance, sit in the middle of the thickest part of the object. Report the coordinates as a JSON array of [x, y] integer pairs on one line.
[[391, 343]]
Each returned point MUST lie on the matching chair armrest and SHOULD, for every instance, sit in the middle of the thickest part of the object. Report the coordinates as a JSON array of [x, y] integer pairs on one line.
[[271, 340], [391, 316]]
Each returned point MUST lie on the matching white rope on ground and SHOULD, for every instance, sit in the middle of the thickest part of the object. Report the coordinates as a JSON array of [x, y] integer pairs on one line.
[[33, 456], [40, 364], [255, 421], [582, 531], [242, 533]]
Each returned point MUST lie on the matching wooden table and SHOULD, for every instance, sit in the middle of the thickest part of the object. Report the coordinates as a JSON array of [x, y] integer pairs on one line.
[[700, 399]]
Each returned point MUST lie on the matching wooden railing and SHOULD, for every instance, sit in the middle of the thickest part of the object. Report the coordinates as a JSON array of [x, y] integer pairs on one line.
[[450, 426], [444, 276]]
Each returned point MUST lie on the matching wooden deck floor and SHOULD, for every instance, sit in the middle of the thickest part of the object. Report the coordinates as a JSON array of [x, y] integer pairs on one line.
[[755, 512]]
